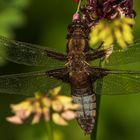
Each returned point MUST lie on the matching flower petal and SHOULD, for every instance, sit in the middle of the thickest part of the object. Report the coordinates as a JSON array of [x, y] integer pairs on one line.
[[23, 114], [15, 119], [72, 106], [46, 113], [36, 118], [58, 119], [64, 99], [57, 105], [55, 91], [22, 105], [46, 102], [69, 115]]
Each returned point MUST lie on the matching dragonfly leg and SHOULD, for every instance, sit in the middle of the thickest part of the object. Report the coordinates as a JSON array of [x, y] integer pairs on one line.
[[60, 74], [97, 49], [95, 55], [58, 56], [104, 53]]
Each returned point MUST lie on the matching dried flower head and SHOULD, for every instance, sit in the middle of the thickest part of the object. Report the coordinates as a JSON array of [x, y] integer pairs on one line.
[[55, 107], [118, 30], [95, 11]]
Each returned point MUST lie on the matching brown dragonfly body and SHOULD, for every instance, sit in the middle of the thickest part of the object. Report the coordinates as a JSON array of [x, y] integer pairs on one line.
[[81, 84], [80, 79], [79, 74]]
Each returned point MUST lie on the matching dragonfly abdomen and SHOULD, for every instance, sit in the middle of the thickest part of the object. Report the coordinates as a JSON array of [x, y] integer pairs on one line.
[[86, 114]]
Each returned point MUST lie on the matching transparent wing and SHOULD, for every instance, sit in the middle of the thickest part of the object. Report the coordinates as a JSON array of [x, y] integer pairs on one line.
[[121, 56], [27, 54], [29, 83], [121, 84]]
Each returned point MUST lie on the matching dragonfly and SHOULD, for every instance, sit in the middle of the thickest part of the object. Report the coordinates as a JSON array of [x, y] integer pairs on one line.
[[76, 71]]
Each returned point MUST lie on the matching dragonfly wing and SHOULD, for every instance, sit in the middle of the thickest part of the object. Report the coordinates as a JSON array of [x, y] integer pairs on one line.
[[121, 84], [28, 54], [29, 83], [125, 56]]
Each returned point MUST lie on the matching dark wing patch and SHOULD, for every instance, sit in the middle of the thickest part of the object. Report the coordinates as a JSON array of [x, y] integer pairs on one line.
[[29, 83], [29, 54]]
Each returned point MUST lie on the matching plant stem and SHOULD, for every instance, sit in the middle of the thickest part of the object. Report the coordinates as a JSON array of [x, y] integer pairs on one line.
[[98, 101], [78, 8], [49, 130]]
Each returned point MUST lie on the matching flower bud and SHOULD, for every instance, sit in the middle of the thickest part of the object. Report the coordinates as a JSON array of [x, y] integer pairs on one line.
[[76, 16], [77, 1]]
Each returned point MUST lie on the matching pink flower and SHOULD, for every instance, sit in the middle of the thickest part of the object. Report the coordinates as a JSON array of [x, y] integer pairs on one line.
[[77, 1], [76, 16], [54, 107], [15, 119]]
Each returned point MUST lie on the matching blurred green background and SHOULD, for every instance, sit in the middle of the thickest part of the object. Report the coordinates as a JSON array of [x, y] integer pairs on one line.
[[45, 22]]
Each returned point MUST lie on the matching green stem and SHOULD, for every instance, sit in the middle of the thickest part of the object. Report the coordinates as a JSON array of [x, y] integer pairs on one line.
[[78, 8], [98, 101], [49, 130]]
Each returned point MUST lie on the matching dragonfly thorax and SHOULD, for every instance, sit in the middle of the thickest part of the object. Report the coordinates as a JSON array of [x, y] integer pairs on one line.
[[77, 46], [76, 54]]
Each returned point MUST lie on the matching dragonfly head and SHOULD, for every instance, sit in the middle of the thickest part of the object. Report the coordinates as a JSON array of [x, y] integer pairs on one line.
[[78, 29], [77, 36]]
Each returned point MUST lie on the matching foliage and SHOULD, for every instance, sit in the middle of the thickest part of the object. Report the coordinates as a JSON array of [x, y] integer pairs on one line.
[[11, 17]]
